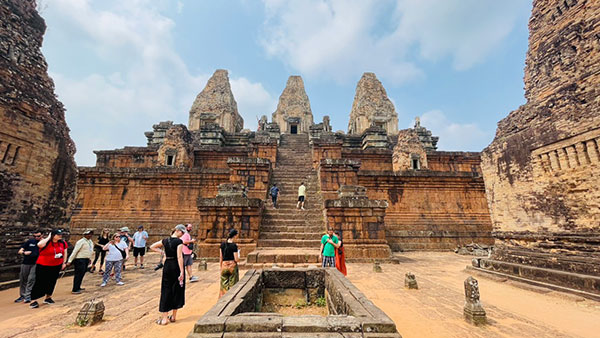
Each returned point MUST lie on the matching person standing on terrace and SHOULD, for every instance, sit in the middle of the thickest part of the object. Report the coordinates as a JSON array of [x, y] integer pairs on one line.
[[229, 257]]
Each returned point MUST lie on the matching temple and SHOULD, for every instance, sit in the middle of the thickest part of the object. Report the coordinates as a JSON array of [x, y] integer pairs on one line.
[[385, 190]]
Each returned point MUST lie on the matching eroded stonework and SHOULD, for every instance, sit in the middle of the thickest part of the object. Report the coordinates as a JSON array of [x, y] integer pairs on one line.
[[293, 114], [215, 104], [372, 107], [37, 170], [541, 171]]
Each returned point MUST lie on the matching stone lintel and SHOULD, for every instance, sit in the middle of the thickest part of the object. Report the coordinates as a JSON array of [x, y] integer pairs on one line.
[[359, 203]]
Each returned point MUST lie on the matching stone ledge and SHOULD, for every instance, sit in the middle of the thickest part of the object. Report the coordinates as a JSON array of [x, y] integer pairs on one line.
[[589, 286]]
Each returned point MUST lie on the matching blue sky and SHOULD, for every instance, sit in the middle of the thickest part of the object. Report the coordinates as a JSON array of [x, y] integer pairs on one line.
[[122, 66]]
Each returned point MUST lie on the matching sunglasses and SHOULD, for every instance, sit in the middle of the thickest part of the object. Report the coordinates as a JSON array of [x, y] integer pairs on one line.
[[37, 235]]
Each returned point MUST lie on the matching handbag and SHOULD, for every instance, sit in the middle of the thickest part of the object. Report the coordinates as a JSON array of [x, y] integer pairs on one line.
[[122, 252]]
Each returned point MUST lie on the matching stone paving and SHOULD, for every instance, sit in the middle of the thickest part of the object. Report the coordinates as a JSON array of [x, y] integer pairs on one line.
[[434, 310]]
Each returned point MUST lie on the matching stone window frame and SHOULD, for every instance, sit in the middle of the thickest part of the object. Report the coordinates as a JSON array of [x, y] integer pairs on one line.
[[413, 158], [170, 154]]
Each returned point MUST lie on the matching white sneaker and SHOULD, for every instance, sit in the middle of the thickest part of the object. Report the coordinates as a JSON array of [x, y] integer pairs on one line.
[[303, 209], [193, 279], [120, 283], [103, 284]]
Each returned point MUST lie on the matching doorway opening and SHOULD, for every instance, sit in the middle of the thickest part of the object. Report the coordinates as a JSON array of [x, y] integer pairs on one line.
[[294, 129]]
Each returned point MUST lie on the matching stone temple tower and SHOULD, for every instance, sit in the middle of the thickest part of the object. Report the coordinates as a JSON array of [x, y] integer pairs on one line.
[[293, 114], [215, 104], [372, 107]]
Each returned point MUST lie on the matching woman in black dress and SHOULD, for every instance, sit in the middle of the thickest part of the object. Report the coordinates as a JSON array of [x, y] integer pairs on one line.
[[172, 287]]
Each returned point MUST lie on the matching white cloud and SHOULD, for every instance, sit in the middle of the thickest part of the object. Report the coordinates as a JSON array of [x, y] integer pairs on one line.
[[135, 79], [455, 136], [253, 101], [341, 39]]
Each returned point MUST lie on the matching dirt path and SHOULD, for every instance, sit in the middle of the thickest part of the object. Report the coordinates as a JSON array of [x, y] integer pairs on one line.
[[435, 310]]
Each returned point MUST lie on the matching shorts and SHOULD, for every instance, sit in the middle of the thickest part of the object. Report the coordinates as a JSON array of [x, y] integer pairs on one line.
[[187, 260], [300, 198], [139, 251]]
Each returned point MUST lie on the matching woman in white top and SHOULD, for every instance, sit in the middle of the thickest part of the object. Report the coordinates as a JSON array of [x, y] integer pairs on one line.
[[117, 252]]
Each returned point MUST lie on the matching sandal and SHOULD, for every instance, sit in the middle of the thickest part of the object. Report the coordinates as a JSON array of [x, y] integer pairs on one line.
[[170, 318], [160, 321]]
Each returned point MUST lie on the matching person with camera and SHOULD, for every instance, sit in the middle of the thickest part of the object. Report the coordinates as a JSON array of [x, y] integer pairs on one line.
[[81, 258], [51, 260], [329, 242], [118, 251], [340, 254], [229, 257], [172, 286], [188, 247], [30, 252]]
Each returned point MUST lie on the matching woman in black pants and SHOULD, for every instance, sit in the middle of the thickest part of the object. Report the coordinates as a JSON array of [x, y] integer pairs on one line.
[[50, 262], [103, 239], [172, 287]]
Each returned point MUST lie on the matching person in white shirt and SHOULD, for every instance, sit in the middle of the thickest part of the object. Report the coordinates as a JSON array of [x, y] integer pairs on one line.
[[118, 251], [301, 196], [139, 246], [81, 258]]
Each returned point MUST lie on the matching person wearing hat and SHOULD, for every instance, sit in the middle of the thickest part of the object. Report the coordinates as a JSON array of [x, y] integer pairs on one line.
[[172, 286], [50, 262], [229, 257], [80, 258], [126, 238]]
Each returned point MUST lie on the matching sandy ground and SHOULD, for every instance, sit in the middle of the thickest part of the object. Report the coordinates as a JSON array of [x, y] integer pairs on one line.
[[435, 310]]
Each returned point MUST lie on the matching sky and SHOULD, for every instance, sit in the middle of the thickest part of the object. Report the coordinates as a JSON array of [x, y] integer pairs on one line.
[[121, 66]]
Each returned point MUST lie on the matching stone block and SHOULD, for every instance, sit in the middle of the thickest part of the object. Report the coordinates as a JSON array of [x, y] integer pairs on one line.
[[307, 323], [254, 324], [91, 313], [210, 324], [410, 281], [473, 311]]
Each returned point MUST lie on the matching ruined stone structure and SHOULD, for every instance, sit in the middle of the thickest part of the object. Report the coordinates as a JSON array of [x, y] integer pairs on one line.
[[216, 105], [541, 171], [37, 170], [293, 114], [372, 107], [363, 185]]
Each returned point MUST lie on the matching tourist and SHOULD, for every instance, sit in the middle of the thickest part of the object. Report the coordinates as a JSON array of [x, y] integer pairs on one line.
[[188, 249], [340, 254], [229, 257], [30, 252], [103, 239], [139, 246], [274, 192], [126, 238], [51, 260], [301, 196], [328, 245], [81, 258], [172, 286], [118, 251]]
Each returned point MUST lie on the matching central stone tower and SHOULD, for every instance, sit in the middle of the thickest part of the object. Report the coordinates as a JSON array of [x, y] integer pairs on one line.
[[293, 114], [372, 107]]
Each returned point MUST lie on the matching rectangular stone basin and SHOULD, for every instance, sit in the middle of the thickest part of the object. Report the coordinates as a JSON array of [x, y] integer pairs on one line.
[[349, 312]]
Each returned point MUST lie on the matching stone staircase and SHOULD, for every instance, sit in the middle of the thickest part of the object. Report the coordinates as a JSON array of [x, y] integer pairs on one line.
[[289, 235]]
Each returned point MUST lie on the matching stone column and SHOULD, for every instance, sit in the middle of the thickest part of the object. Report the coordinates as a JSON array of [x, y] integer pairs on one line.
[[546, 163], [592, 151], [580, 148], [554, 163], [562, 159], [572, 156], [473, 311]]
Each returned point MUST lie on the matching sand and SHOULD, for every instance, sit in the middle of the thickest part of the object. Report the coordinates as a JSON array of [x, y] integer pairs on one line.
[[435, 310]]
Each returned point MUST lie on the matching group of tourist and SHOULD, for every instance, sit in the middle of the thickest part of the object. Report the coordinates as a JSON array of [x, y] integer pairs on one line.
[[44, 259]]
